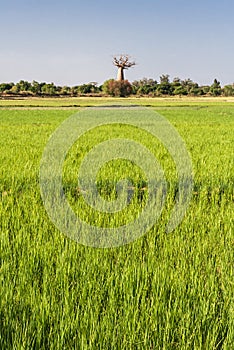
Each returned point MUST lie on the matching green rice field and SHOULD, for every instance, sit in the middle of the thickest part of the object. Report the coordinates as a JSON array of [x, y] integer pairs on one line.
[[162, 291]]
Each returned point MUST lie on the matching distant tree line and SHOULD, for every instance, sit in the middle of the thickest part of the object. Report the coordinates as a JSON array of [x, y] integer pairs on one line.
[[111, 87], [35, 88]]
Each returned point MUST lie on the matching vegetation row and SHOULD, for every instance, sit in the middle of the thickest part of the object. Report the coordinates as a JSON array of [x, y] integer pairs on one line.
[[111, 87]]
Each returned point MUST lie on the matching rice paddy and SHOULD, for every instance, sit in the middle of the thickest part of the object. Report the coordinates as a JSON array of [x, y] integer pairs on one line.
[[162, 291]]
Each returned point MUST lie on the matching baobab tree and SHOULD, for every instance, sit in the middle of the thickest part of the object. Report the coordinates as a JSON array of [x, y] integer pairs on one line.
[[122, 62]]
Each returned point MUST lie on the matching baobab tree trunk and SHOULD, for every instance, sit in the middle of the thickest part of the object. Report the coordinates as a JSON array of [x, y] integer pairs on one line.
[[120, 75], [122, 63]]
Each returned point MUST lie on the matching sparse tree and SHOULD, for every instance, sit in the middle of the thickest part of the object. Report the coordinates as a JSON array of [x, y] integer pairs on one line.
[[122, 62], [164, 79]]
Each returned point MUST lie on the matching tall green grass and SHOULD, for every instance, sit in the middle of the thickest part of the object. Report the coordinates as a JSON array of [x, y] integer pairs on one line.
[[163, 291]]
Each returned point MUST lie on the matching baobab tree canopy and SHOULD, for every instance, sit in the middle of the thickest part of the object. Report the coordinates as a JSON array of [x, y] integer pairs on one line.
[[122, 62]]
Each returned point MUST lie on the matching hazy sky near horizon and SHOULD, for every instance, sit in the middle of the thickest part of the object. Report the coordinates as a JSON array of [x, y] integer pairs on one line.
[[72, 42]]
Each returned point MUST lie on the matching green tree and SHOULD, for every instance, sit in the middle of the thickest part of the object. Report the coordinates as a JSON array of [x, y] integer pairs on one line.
[[228, 90], [36, 87], [48, 89], [205, 89], [165, 87], [23, 86], [88, 88], [189, 86], [65, 90], [144, 86], [6, 87], [215, 88], [74, 90], [179, 90]]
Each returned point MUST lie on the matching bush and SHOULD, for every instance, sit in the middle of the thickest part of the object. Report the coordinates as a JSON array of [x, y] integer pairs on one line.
[[117, 88]]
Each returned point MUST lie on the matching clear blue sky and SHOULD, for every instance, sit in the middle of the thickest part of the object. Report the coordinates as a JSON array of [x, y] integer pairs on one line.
[[72, 42]]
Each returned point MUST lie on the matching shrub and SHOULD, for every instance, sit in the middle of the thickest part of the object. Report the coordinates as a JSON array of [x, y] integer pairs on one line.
[[117, 88]]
